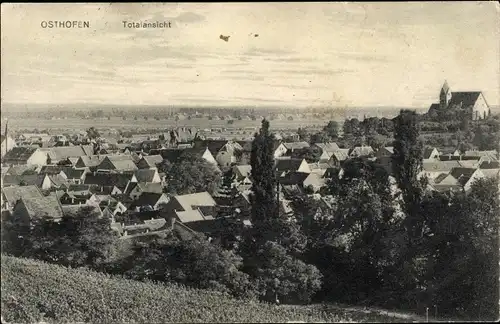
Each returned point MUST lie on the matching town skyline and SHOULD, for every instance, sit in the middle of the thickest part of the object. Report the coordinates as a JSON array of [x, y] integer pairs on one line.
[[305, 55]]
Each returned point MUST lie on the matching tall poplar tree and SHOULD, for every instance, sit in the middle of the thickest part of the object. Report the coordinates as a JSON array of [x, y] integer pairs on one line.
[[263, 198], [407, 162]]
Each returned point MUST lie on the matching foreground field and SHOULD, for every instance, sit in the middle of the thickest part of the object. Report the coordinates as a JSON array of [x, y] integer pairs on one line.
[[33, 291]]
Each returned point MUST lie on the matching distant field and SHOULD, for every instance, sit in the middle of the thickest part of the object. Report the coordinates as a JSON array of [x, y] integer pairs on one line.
[[118, 123], [31, 288]]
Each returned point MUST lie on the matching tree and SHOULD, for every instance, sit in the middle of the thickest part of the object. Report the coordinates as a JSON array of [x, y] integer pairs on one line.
[[282, 277], [332, 129], [93, 134], [407, 162], [194, 263], [191, 174], [263, 198], [79, 239], [303, 134]]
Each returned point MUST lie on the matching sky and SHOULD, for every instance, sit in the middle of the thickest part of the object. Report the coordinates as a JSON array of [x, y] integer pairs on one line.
[[305, 55]]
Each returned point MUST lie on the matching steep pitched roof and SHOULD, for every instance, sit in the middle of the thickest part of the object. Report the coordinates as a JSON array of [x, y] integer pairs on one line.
[[19, 154], [291, 164], [14, 193], [462, 174], [152, 160], [245, 145], [73, 173], [293, 178], [244, 170], [148, 198], [63, 152], [189, 216], [214, 146], [43, 206], [490, 165], [341, 155], [361, 151], [427, 152], [465, 99], [328, 147], [20, 169], [122, 162], [440, 166], [31, 179], [434, 107], [108, 179], [51, 169], [92, 160], [145, 187], [145, 175], [196, 199], [296, 145]]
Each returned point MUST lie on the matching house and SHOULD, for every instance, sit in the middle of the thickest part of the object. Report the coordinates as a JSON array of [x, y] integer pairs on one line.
[[30, 208], [22, 180], [293, 178], [192, 207], [135, 189], [56, 154], [74, 175], [113, 207], [7, 143], [25, 155], [279, 149], [71, 198], [327, 149], [473, 102], [91, 161], [148, 175], [117, 163], [10, 195], [149, 161], [430, 154], [338, 157], [52, 181], [21, 169], [319, 167], [174, 155], [75, 209], [458, 178], [360, 151], [285, 165], [295, 146], [243, 173], [432, 169], [314, 181], [150, 226], [101, 179], [150, 201], [230, 153], [485, 155]]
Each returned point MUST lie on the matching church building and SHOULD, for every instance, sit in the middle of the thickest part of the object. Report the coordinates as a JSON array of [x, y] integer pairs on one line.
[[473, 101]]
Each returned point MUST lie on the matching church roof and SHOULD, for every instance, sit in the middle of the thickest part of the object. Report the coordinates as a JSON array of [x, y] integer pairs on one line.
[[465, 99], [445, 87]]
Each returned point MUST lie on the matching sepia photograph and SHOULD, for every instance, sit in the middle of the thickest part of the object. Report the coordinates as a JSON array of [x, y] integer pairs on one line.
[[295, 162]]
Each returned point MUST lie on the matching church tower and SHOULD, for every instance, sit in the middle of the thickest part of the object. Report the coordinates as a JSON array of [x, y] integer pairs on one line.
[[444, 96]]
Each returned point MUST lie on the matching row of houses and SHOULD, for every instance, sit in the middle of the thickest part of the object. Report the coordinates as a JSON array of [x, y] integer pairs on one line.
[[126, 184]]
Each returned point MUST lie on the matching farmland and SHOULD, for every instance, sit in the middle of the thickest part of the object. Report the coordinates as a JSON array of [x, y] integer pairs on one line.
[[33, 291], [116, 122]]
